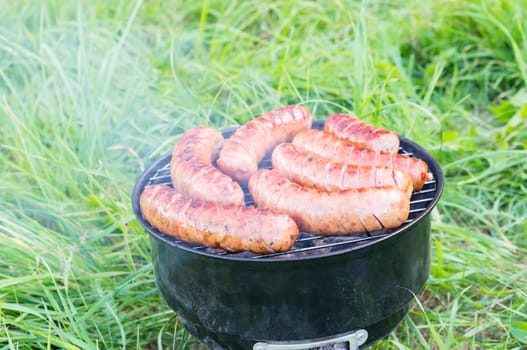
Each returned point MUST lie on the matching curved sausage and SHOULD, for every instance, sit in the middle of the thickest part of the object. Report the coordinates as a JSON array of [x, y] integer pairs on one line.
[[327, 145], [231, 227], [248, 145], [330, 212], [311, 170], [192, 171], [351, 128]]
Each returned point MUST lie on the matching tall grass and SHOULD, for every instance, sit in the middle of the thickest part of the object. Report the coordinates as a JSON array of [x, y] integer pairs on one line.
[[92, 92]]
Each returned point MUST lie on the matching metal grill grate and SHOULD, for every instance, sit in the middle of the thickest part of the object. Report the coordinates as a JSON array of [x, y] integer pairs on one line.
[[308, 244]]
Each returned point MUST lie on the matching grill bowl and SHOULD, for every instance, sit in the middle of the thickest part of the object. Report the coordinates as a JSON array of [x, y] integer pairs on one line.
[[323, 287]]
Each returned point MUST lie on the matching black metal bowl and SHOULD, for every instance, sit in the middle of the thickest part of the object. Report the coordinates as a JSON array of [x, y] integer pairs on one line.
[[326, 287]]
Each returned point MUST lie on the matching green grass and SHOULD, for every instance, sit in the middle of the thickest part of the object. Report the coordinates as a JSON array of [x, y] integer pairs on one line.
[[92, 92]]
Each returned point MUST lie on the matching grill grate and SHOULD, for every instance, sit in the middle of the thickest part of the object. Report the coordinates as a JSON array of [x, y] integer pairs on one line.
[[308, 244]]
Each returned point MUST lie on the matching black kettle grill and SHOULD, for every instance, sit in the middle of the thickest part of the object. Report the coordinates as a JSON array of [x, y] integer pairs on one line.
[[327, 292]]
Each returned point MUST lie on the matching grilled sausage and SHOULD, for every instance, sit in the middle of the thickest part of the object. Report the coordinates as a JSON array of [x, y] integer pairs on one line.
[[193, 173], [231, 227], [351, 128], [311, 170], [327, 145], [243, 151], [330, 212]]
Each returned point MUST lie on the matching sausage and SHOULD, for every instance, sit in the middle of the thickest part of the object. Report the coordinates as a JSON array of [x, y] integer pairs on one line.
[[230, 227], [249, 144], [330, 212], [327, 145], [192, 170], [314, 171], [351, 128]]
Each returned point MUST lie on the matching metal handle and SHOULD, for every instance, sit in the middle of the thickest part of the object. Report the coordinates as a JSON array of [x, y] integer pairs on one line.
[[354, 339]]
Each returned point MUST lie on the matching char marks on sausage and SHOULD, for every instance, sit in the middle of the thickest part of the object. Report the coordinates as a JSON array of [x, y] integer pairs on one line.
[[311, 170], [330, 212], [329, 146], [230, 227], [249, 144], [192, 170], [351, 128]]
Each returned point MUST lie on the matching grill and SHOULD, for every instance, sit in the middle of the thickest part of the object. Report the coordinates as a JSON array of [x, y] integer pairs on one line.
[[327, 292], [307, 244]]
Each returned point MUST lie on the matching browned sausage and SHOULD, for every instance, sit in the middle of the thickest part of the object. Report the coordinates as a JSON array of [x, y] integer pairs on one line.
[[192, 171], [311, 170], [330, 212], [243, 151], [327, 145], [231, 227], [353, 129]]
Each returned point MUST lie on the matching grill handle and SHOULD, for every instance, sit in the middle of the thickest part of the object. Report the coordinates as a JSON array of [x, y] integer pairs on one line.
[[354, 339]]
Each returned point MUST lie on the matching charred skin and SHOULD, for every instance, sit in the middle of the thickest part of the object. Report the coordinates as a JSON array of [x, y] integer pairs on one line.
[[311, 170], [330, 212], [242, 152], [353, 129], [329, 146], [231, 227], [192, 170]]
